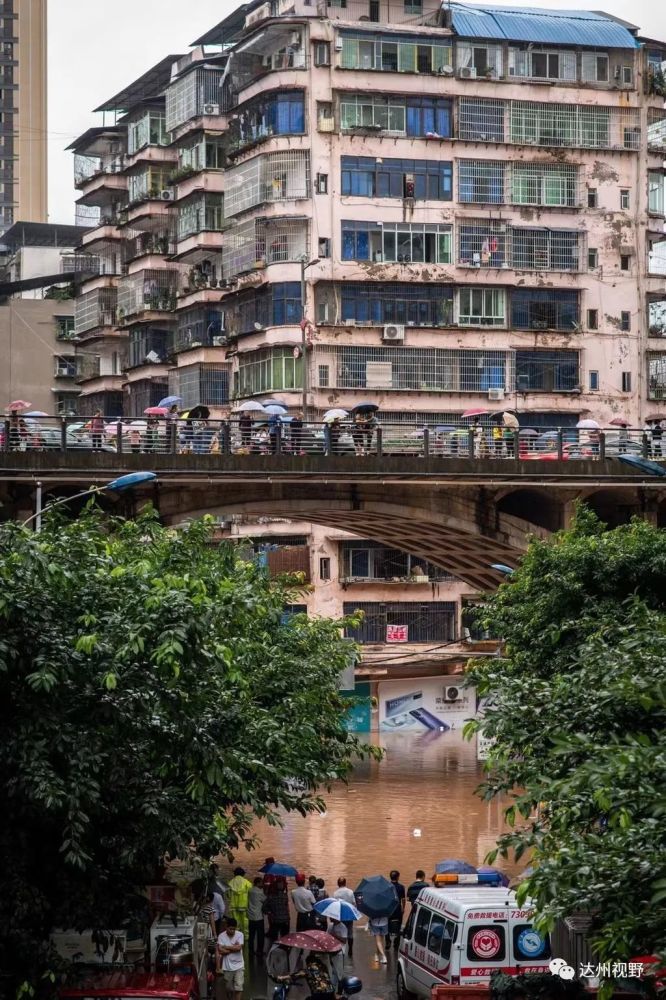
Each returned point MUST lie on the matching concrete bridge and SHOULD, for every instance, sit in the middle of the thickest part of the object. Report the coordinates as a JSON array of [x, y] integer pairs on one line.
[[462, 514]]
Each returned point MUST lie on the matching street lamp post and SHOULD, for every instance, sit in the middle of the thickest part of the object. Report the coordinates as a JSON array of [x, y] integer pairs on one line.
[[304, 324], [115, 486]]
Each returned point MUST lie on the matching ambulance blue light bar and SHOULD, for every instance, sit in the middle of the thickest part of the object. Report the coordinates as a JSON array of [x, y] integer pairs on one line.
[[481, 878]]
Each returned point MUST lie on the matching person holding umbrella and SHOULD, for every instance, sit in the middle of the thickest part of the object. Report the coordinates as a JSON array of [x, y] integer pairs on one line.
[[377, 898]]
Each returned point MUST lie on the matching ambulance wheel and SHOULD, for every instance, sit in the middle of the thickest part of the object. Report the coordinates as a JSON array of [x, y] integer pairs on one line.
[[402, 991]]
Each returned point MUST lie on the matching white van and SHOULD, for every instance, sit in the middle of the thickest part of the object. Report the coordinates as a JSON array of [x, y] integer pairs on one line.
[[461, 935]]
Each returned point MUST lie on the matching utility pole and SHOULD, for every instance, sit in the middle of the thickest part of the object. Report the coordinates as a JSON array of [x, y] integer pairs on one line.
[[304, 325]]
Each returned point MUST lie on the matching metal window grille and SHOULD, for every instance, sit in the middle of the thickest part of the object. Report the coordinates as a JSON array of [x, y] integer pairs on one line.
[[204, 384], [110, 403], [431, 622], [142, 394], [572, 125], [657, 376], [656, 129], [489, 243], [66, 404], [73, 263], [481, 119], [87, 215], [369, 560], [258, 242], [545, 309], [203, 213], [421, 369], [547, 371], [481, 181], [185, 99], [147, 345], [95, 309], [140, 244], [657, 317], [544, 184], [149, 290], [198, 327], [274, 177], [267, 371], [85, 167]]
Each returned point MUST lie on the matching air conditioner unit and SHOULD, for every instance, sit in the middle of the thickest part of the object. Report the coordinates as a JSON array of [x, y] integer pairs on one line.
[[211, 109], [496, 394], [295, 38], [166, 194], [219, 341], [452, 693], [468, 73], [393, 332], [338, 45]]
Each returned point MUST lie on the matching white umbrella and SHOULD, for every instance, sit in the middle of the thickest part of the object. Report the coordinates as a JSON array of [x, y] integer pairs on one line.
[[251, 405], [510, 420], [588, 425], [136, 425], [337, 909], [275, 409], [336, 413]]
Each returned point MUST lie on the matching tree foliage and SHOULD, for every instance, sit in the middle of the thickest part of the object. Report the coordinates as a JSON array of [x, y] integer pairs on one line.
[[578, 713], [152, 695]]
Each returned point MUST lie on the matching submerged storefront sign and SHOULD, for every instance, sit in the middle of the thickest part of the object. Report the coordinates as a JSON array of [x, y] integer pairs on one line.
[[428, 703]]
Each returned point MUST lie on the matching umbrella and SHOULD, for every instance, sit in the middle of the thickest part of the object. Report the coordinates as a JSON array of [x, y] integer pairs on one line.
[[337, 909], [199, 412], [445, 429], [271, 402], [510, 420], [36, 413], [375, 896], [311, 941], [653, 417], [475, 413], [170, 400], [136, 425], [275, 409], [155, 411], [528, 432], [335, 414], [619, 422], [489, 870], [588, 425], [251, 404], [453, 866], [19, 404], [364, 408], [278, 868]]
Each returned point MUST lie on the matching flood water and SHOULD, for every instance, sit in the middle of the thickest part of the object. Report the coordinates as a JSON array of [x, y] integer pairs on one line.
[[408, 811]]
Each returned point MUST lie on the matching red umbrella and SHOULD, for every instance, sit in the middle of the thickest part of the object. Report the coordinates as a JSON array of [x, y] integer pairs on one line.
[[619, 422], [474, 413], [156, 411], [311, 940], [19, 404]]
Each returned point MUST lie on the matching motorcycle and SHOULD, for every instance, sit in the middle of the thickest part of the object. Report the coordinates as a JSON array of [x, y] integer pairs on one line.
[[346, 987]]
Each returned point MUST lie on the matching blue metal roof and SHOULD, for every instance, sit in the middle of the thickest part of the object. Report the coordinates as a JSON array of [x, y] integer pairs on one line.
[[545, 26]]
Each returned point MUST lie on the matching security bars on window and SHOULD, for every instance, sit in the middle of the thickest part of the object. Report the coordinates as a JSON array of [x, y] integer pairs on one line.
[[275, 177]]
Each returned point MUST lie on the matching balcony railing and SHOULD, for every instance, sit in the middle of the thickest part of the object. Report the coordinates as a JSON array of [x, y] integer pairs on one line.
[[147, 291]]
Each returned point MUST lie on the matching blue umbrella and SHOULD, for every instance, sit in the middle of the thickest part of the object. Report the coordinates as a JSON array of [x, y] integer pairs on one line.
[[337, 909], [452, 866], [375, 896], [489, 870], [170, 400], [277, 868]]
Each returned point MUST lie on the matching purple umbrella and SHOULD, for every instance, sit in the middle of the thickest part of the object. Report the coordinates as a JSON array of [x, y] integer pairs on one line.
[[489, 870], [453, 866]]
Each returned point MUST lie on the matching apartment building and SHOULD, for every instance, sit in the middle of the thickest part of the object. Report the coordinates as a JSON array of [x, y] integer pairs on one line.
[[431, 207], [23, 107]]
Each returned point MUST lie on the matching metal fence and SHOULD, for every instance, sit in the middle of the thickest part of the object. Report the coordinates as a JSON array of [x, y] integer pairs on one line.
[[249, 434]]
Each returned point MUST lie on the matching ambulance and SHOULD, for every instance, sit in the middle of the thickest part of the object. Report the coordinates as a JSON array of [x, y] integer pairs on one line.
[[461, 934]]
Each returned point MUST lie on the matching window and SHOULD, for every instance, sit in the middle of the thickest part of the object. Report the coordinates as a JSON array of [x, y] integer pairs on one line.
[[657, 376], [324, 568], [592, 198], [324, 376], [400, 242], [547, 371], [481, 181], [627, 76], [65, 366], [594, 67], [422, 926], [324, 247], [593, 381], [542, 309], [625, 321], [394, 54], [427, 116], [413, 6], [592, 319], [541, 64], [64, 327], [656, 192], [479, 60], [268, 370], [363, 176], [480, 120], [436, 934], [551, 185], [478, 932], [481, 307], [592, 258], [322, 54], [625, 261], [626, 381], [325, 119], [624, 199], [409, 304], [321, 184], [372, 111], [524, 936]]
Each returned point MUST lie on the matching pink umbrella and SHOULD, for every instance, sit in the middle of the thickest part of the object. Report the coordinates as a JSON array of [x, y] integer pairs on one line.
[[19, 404], [619, 422], [156, 411], [312, 940], [475, 413]]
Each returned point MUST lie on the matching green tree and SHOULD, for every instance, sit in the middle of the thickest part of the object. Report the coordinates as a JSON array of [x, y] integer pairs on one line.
[[152, 695], [578, 713]]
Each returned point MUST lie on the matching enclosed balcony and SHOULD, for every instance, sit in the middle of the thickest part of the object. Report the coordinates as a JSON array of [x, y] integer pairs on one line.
[[151, 183], [259, 243], [272, 305], [193, 95], [93, 366], [142, 393], [270, 115], [198, 214], [277, 47], [95, 310], [275, 177], [98, 151], [656, 131], [485, 243], [199, 327], [147, 291], [656, 363], [148, 345], [406, 621], [146, 128], [206, 151], [657, 316], [371, 562], [205, 384]]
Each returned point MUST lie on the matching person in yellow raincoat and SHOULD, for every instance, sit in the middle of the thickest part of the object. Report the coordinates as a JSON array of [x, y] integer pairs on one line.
[[238, 900]]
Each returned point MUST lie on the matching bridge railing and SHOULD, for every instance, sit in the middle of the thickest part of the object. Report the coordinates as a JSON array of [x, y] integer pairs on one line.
[[249, 436]]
